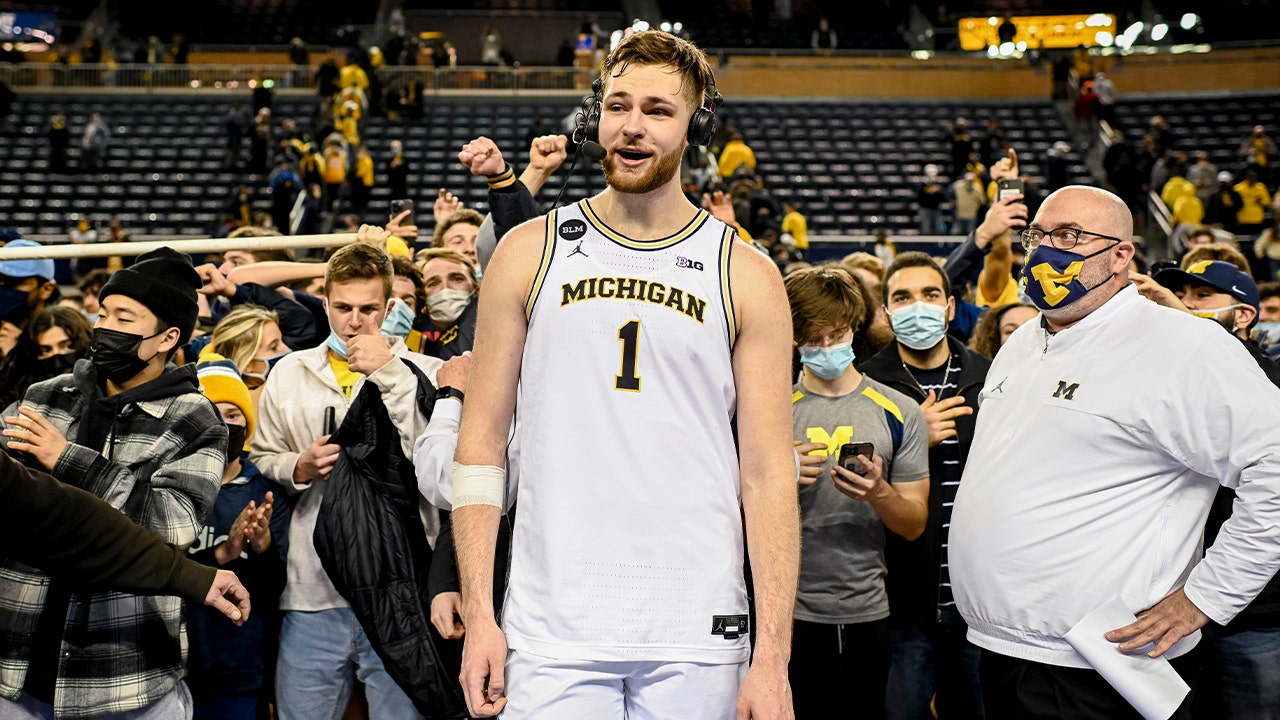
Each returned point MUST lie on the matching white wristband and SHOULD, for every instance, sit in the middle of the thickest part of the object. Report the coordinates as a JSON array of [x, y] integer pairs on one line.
[[478, 485]]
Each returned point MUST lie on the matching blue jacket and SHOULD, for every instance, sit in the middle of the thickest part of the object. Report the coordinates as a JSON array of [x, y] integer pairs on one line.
[[224, 659]]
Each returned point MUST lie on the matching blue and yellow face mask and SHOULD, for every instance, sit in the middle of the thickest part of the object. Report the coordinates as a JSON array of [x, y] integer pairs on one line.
[[1053, 276]]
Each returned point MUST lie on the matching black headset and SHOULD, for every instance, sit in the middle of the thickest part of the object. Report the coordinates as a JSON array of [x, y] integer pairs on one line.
[[702, 125]]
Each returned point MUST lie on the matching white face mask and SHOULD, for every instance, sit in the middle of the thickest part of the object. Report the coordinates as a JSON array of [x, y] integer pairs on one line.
[[445, 306], [1215, 314]]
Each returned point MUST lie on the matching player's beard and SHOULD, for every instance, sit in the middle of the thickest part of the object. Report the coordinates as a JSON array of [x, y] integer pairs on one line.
[[659, 172]]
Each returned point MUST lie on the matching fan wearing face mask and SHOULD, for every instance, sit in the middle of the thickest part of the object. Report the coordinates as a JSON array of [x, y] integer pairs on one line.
[[933, 367], [249, 336], [449, 280], [26, 288], [323, 648], [247, 533], [62, 336], [132, 428], [842, 610]]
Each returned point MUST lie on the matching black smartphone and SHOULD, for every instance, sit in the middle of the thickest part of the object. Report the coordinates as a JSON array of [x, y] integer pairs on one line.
[[330, 420], [849, 453], [1011, 186], [399, 206]]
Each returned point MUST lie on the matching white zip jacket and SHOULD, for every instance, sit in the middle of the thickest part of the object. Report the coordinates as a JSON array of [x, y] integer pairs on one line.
[[291, 417], [1096, 456]]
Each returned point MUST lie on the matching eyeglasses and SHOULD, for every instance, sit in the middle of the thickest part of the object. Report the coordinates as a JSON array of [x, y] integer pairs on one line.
[[1063, 238]]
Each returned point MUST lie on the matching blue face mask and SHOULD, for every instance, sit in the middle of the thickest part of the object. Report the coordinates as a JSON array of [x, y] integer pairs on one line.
[[920, 325], [1265, 328], [399, 319], [827, 363], [1053, 276], [12, 303], [337, 345]]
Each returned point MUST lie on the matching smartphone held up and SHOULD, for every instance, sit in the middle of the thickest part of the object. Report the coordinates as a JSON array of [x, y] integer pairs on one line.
[[399, 206], [849, 452]]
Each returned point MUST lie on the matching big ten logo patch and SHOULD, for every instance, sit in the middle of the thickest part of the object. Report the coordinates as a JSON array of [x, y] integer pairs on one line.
[[685, 262]]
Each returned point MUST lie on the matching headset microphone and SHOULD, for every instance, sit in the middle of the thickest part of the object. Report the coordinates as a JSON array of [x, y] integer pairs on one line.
[[590, 148], [593, 150]]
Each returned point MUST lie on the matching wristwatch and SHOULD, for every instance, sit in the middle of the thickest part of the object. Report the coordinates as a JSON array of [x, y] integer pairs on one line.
[[449, 392]]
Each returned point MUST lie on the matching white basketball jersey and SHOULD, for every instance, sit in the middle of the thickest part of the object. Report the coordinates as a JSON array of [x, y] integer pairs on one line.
[[628, 538]]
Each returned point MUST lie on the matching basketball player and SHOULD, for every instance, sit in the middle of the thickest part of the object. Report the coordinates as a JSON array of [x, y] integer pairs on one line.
[[638, 330]]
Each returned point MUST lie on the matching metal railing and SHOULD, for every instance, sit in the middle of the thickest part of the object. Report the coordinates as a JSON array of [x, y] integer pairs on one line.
[[173, 78]]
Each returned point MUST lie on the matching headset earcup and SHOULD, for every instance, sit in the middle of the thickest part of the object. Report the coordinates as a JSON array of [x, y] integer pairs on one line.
[[591, 111], [702, 127], [591, 124]]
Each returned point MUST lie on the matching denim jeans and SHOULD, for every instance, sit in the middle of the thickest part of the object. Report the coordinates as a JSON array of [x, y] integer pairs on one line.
[[322, 654], [931, 658], [1241, 675], [930, 221]]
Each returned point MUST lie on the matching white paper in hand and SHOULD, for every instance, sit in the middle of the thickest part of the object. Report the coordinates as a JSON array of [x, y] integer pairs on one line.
[[1151, 686]]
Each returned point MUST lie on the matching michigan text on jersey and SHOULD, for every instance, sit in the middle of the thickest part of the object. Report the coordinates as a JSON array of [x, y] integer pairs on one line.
[[625, 288]]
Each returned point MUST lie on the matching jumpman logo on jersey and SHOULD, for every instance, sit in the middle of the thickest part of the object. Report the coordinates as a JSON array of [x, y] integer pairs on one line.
[[578, 251], [999, 388]]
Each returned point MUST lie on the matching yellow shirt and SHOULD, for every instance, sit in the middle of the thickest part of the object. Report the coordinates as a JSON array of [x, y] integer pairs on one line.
[[353, 75], [335, 166], [1176, 188], [1254, 201], [364, 170], [342, 372], [1008, 295], [1188, 209], [795, 225], [735, 154]]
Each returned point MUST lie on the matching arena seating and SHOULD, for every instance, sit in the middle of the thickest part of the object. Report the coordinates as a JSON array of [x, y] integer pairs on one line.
[[243, 22], [1214, 124], [729, 24], [851, 167]]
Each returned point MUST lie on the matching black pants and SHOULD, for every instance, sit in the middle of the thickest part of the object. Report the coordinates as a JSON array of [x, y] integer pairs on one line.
[[1016, 689], [839, 670]]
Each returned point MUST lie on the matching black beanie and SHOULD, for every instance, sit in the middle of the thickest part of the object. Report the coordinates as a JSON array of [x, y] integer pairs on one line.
[[165, 282]]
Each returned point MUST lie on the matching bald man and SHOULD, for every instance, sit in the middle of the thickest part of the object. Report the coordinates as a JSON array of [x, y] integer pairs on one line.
[[1106, 428]]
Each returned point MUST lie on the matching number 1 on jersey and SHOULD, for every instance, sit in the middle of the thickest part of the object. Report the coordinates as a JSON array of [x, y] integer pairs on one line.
[[629, 334]]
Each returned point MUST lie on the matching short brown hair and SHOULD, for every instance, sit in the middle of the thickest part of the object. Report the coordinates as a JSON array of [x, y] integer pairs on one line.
[[1215, 251], [93, 281], [823, 297], [655, 47], [428, 254], [253, 231], [402, 266], [465, 215], [864, 261], [911, 259], [359, 261]]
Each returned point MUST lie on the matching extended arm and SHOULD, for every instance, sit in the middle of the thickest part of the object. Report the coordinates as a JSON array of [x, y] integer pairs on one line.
[[997, 231], [65, 531]]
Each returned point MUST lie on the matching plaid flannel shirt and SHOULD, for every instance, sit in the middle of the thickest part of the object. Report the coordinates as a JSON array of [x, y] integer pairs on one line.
[[162, 465]]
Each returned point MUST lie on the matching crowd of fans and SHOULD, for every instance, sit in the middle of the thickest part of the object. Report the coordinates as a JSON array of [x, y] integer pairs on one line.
[[272, 339]]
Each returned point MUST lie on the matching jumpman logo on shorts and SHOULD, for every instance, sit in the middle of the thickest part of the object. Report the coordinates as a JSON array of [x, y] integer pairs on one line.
[[999, 388], [578, 251]]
